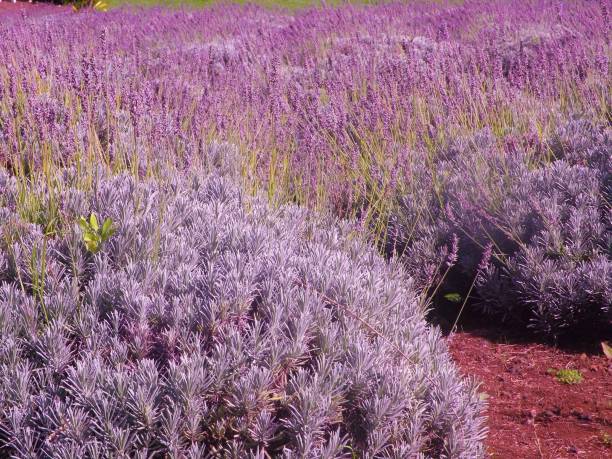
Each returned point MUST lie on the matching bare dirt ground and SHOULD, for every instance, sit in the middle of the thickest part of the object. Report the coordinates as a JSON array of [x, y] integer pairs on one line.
[[531, 413]]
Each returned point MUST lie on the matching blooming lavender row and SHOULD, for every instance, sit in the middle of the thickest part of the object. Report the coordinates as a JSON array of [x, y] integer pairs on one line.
[[333, 104], [211, 325]]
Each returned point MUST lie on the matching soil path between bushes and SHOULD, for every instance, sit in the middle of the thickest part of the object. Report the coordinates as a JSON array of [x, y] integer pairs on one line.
[[8, 8], [531, 414]]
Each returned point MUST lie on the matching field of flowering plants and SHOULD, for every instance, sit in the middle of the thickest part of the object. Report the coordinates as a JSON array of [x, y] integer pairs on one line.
[[223, 232]]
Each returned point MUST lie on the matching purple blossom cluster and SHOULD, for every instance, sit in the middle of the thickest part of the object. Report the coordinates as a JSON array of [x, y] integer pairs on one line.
[[332, 104], [212, 325]]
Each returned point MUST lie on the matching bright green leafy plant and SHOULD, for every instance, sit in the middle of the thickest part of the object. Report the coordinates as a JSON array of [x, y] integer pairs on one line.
[[97, 5], [453, 297], [566, 376], [95, 235]]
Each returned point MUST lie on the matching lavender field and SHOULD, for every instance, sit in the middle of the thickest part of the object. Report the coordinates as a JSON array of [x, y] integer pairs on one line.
[[223, 231]]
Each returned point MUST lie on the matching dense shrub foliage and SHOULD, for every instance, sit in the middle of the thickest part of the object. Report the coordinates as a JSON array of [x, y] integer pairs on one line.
[[456, 118], [537, 244], [212, 325]]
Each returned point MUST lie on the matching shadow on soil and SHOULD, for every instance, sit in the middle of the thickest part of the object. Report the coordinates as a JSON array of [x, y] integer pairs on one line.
[[474, 322]]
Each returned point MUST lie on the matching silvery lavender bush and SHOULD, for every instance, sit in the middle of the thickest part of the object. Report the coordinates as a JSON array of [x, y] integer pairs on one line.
[[541, 224], [560, 275], [212, 325]]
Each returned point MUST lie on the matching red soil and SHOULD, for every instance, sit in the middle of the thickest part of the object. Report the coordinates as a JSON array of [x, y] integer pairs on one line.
[[7, 8], [531, 414]]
